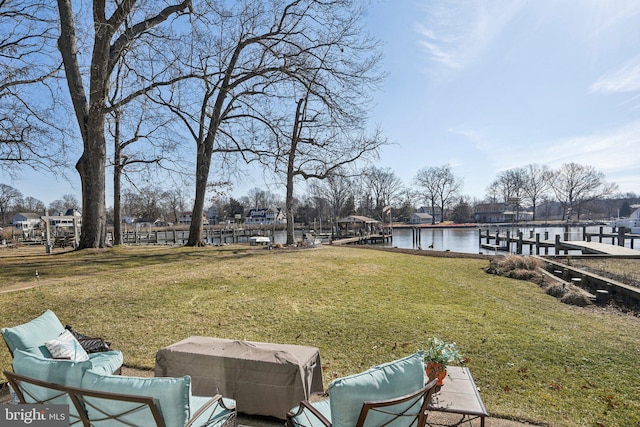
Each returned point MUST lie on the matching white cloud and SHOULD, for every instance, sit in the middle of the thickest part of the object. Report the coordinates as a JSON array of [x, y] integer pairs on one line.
[[611, 153], [624, 78], [455, 33], [476, 137], [611, 13]]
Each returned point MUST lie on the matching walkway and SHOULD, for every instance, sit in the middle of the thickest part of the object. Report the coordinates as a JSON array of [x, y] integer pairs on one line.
[[599, 248]]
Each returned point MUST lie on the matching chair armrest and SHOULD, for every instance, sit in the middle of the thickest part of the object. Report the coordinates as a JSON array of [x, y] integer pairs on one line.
[[305, 405], [217, 399]]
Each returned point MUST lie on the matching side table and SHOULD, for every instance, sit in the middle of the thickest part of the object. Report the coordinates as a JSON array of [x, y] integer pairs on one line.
[[459, 395]]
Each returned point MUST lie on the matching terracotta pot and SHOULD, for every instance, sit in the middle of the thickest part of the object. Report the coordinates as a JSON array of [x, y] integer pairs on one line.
[[436, 370]]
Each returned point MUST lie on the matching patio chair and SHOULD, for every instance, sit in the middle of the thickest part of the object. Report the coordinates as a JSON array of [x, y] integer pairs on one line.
[[393, 394]]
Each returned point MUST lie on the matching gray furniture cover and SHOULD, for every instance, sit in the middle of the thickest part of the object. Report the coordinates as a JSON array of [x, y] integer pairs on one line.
[[264, 379]]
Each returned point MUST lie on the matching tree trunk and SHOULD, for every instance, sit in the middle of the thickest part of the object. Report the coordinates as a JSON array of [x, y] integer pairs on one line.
[[117, 205], [295, 137], [117, 182], [203, 165], [433, 212], [91, 167], [91, 115]]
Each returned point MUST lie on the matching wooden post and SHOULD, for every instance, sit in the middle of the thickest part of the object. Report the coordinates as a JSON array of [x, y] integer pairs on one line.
[[557, 244], [76, 237], [537, 243], [621, 231], [519, 244], [47, 235], [600, 235]]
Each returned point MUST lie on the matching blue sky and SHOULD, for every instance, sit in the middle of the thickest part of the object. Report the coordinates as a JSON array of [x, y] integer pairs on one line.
[[490, 85]]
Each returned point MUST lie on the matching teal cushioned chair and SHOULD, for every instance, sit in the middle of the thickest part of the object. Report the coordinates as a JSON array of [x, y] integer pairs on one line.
[[172, 396], [392, 394], [64, 372], [31, 336]]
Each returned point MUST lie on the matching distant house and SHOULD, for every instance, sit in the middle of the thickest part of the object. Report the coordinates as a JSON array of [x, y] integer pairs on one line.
[[265, 216], [213, 214], [26, 221], [185, 219], [434, 213], [143, 222], [66, 220], [420, 218], [499, 213]]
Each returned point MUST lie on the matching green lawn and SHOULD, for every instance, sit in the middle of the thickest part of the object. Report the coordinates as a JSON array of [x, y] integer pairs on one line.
[[532, 357]]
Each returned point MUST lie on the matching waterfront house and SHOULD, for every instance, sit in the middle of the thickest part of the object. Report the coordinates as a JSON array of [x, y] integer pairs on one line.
[[26, 221], [268, 216], [185, 218], [420, 218]]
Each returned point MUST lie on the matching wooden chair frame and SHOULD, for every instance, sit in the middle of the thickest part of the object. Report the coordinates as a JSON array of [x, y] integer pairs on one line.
[[79, 398], [420, 416]]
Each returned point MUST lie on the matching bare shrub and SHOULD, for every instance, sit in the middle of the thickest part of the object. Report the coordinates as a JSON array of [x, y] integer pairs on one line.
[[6, 234], [523, 274], [576, 298], [517, 267], [556, 290]]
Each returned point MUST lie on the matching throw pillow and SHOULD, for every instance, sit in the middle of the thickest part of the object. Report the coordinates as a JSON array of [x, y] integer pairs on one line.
[[66, 346]]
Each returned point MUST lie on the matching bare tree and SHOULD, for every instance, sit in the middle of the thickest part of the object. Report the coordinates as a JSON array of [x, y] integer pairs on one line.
[[248, 65], [29, 63], [440, 186], [383, 185], [8, 196], [112, 36], [327, 146], [257, 198], [575, 184], [146, 145], [510, 184], [173, 204], [31, 204], [71, 201], [336, 189], [61, 206], [327, 125], [144, 202], [537, 183]]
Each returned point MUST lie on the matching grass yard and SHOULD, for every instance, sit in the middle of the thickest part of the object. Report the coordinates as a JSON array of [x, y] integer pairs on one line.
[[533, 358]]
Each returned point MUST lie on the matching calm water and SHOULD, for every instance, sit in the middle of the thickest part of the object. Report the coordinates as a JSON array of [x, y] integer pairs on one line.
[[466, 239]]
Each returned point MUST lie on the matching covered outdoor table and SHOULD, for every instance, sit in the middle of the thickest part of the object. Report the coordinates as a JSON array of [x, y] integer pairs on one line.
[[264, 378]]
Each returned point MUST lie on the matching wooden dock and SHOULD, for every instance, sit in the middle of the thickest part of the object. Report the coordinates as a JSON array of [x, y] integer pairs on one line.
[[363, 240], [599, 248], [602, 288], [537, 243]]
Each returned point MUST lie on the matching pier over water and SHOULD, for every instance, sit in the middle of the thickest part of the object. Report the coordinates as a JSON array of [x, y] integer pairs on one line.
[[537, 243]]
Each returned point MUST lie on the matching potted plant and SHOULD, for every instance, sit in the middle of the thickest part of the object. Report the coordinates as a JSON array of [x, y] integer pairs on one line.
[[437, 355]]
